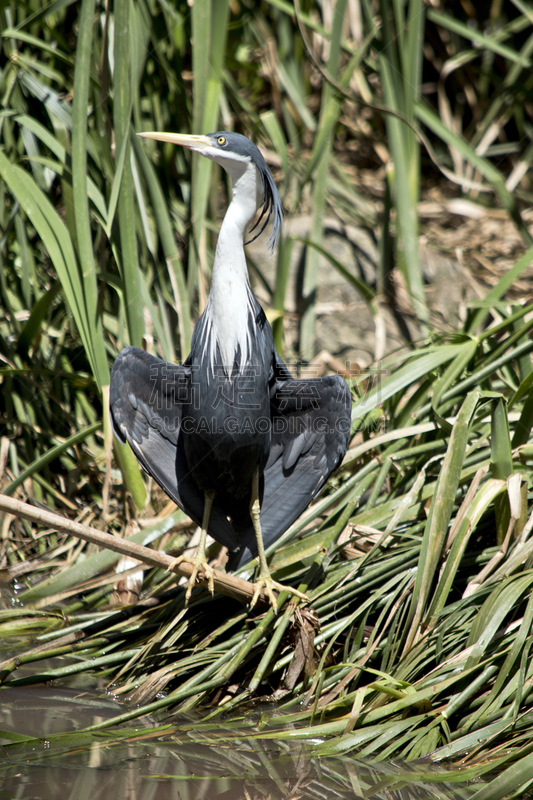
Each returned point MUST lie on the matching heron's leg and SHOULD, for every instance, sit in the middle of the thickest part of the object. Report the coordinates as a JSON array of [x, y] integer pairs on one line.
[[199, 561], [264, 580]]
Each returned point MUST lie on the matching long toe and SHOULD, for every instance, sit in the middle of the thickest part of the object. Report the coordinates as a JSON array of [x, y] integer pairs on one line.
[[269, 585], [281, 587], [200, 566], [265, 584]]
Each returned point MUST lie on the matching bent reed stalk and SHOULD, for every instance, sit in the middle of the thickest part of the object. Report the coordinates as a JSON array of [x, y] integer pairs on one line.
[[223, 583]]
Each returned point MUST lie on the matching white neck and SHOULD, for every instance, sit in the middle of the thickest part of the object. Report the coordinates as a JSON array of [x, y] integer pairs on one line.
[[229, 305]]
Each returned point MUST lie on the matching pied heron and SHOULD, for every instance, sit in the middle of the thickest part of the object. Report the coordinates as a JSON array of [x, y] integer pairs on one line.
[[231, 436]]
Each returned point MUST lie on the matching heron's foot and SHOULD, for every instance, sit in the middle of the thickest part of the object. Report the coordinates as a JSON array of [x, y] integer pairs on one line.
[[267, 584], [200, 566]]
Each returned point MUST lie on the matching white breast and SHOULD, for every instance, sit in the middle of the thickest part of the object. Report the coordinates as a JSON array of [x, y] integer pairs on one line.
[[230, 308], [228, 317]]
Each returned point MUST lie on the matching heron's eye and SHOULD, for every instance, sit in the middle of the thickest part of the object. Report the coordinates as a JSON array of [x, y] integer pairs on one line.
[[221, 140]]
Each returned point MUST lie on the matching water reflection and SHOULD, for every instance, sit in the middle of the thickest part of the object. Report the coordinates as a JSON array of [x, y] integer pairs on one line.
[[185, 766]]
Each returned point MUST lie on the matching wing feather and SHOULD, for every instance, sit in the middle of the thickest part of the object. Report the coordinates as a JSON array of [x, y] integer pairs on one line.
[[310, 433], [146, 398]]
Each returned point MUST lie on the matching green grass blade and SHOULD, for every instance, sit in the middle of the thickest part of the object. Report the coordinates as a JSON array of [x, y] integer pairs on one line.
[[168, 242], [501, 462], [498, 291], [39, 463], [55, 236], [115, 187], [280, 291], [501, 602], [330, 107], [477, 38], [209, 20], [79, 189], [454, 371], [362, 287], [126, 212], [477, 507], [416, 367], [277, 137], [439, 514], [510, 783]]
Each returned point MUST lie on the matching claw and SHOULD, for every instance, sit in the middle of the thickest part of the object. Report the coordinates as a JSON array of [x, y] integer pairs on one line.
[[199, 565], [266, 583], [199, 562], [264, 580]]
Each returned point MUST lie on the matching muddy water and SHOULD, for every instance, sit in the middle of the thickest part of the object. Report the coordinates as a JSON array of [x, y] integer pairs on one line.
[[182, 766]]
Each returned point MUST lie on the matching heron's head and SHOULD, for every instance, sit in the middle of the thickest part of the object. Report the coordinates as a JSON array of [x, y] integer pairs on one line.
[[234, 152]]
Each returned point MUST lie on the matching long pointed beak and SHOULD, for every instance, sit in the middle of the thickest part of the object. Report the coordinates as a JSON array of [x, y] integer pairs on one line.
[[183, 139]]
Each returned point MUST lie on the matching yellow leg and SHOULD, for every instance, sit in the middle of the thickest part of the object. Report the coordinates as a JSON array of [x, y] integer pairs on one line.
[[264, 580], [199, 561]]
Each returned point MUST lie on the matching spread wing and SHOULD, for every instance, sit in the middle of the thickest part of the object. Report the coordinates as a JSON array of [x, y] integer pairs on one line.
[[310, 433], [146, 400]]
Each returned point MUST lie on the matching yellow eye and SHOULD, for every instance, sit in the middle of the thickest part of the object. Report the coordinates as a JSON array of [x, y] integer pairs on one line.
[[221, 140]]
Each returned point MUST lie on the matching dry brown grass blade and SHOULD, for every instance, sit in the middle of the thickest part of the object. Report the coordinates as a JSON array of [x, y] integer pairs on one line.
[[225, 584]]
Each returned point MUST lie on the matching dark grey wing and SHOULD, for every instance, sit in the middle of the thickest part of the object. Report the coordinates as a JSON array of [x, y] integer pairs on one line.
[[310, 433], [146, 400]]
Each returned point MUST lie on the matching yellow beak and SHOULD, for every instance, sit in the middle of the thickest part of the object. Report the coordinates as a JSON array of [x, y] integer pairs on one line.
[[183, 139]]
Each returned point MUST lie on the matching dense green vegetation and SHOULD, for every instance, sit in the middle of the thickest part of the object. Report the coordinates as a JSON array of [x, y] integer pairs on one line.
[[424, 602]]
